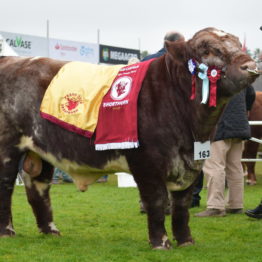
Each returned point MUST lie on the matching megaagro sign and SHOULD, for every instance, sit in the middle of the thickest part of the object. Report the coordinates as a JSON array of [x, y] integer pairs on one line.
[[116, 55]]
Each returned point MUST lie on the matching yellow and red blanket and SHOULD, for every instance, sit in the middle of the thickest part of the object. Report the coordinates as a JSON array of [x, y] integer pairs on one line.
[[73, 98], [79, 99]]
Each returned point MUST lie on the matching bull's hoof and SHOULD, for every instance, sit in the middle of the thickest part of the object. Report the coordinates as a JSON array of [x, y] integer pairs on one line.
[[52, 232], [50, 229], [161, 248], [7, 233], [187, 243], [55, 233], [165, 245]]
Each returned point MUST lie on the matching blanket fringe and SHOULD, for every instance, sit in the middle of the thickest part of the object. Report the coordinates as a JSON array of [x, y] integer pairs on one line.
[[121, 145]]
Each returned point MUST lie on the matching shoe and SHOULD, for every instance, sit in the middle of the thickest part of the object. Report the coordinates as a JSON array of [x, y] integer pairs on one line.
[[234, 210], [255, 213], [211, 212]]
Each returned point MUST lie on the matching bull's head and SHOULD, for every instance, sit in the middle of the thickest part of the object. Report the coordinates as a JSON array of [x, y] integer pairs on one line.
[[215, 48]]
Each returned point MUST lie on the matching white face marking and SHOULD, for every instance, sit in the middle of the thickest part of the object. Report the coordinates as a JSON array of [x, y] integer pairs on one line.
[[231, 48], [219, 33]]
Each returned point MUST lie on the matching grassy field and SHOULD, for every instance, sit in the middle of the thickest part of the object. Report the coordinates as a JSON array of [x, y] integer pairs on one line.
[[104, 225]]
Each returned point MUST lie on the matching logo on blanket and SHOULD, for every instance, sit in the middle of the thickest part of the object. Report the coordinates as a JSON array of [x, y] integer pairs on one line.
[[121, 88], [70, 103]]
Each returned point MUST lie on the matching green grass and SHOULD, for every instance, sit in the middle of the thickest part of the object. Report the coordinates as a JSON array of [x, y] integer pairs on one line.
[[104, 224]]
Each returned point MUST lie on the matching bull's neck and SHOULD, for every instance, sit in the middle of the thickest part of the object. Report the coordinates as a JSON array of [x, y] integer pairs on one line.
[[206, 119], [200, 118]]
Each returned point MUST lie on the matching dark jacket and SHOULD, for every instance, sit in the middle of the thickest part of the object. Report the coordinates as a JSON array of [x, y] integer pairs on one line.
[[157, 54], [234, 120]]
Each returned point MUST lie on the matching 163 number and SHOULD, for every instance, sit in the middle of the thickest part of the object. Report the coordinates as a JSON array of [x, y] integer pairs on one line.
[[204, 154]]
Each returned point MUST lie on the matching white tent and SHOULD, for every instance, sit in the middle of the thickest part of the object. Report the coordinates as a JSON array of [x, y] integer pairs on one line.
[[5, 49]]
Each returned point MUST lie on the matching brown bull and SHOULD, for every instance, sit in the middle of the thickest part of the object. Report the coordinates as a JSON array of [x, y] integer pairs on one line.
[[169, 123], [251, 147]]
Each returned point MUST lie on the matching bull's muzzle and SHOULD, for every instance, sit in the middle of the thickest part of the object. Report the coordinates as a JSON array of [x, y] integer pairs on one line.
[[250, 67], [254, 71]]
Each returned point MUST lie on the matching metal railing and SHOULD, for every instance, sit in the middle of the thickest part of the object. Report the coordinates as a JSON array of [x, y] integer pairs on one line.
[[254, 123]]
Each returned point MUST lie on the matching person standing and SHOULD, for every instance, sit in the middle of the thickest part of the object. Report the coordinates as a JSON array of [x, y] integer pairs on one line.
[[170, 36], [224, 165]]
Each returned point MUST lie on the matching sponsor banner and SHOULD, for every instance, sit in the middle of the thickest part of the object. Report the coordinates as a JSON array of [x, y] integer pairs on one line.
[[73, 51], [116, 55], [5, 49], [1, 46], [26, 45]]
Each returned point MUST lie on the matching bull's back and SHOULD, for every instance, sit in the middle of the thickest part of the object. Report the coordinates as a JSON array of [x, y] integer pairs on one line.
[[22, 86]]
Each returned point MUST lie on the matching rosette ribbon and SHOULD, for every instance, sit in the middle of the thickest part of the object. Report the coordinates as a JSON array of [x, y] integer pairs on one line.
[[213, 75], [205, 83], [192, 69]]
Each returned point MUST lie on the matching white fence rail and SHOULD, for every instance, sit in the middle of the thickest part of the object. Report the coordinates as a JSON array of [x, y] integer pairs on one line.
[[254, 123]]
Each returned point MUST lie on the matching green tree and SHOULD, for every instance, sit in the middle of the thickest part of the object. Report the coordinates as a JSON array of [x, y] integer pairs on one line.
[[144, 54], [257, 54]]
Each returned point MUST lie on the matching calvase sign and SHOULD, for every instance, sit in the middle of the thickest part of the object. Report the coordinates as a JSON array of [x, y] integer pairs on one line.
[[26, 45]]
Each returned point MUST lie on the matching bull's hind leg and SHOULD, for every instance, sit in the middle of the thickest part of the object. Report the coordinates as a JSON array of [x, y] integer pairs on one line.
[[8, 174], [181, 201], [37, 189]]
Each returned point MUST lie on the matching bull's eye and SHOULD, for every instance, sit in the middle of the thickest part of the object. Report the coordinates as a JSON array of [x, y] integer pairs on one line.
[[206, 52]]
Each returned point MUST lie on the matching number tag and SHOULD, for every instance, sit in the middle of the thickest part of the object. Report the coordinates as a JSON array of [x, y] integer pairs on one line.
[[201, 150]]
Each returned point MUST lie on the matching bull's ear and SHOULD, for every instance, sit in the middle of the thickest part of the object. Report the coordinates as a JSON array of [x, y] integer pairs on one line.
[[176, 49]]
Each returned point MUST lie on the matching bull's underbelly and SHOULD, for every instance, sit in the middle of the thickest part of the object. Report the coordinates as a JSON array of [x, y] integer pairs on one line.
[[83, 174], [179, 178], [111, 166]]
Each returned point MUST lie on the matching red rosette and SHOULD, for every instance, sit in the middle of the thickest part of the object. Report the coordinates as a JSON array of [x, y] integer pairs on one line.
[[213, 75], [193, 94]]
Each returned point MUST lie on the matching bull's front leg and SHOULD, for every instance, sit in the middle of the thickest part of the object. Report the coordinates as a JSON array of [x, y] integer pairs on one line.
[[154, 196], [181, 201], [8, 174], [37, 186]]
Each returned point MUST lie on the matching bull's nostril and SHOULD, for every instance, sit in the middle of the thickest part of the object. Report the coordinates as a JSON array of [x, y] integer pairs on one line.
[[250, 65], [244, 67]]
